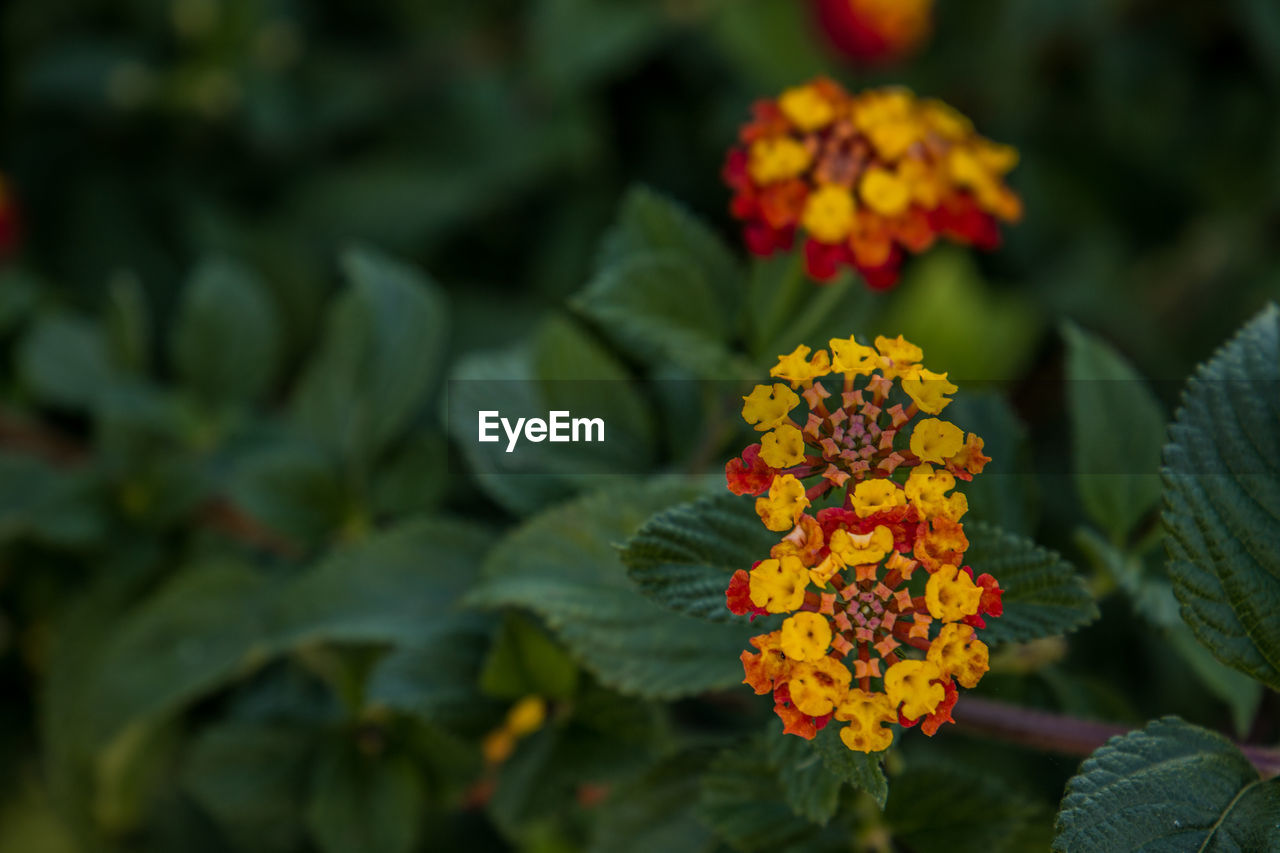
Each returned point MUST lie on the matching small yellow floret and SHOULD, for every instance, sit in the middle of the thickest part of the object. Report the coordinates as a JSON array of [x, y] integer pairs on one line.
[[817, 688], [852, 358], [783, 447], [767, 407], [781, 508], [928, 390], [958, 652], [951, 594], [855, 549], [797, 367], [806, 108], [910, 684], [884, 192], [777, 159], [872, 496], [828, 214], [898, 356], [935, 440], [778, 585], [806, 637]]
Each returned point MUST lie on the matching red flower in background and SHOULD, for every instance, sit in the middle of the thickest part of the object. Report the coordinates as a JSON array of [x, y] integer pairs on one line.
[[865, 179], [9, 222], [875, 31]]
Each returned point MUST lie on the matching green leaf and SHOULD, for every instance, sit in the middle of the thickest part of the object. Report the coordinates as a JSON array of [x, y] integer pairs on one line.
[[1151, 592], [683, 557], [524, 661], [1222, 501], [859, 769], [564, 566], [648, 221], [1168, 788], [250, 777], [293, 489], [659, 307], [226, 343], [810, 787], [361, 803], [214, 622], [49, 505], [1117, 427], [1043, 595], [65, 362], [382, 354], [743, 800], [655, 811], [955, 809], [436, 680]]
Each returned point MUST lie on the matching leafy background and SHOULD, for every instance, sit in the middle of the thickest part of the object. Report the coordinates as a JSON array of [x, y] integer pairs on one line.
[[259, 592]]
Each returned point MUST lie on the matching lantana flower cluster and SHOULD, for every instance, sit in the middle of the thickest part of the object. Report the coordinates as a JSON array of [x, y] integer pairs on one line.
[[865, 178], [883, 612], [875, 30]]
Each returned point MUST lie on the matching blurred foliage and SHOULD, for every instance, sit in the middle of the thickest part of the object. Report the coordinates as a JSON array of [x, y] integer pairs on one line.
[[260, 591]]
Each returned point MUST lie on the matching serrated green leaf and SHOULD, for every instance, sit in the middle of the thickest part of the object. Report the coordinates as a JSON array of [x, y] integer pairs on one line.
[[811, 789], [1043, 595], [564, 566], [361, 803], [655, 811], [650, 222], [955, 809], [659, 307], [860, 769], [1222, 501], [683, 557], [382, 354], [1151, 592], [1168, 788], [1117, 427], [225, 342], [744, 802]]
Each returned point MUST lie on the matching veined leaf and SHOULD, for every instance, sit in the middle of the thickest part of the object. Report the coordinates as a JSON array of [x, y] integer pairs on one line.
[[648, 221], [1169, 788], [743, 801], [1222, 501], [859, 769], [383, 351], [659, 307], [1043, 594], [221, 304], [810, 787], [564, 566], [683, 557]]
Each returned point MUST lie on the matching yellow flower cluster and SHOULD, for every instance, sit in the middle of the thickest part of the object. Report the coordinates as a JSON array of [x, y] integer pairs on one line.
[[871, 639], [866, 177]]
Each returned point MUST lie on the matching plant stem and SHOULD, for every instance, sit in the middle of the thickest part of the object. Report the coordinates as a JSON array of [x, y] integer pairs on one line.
[[1060, 733]]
